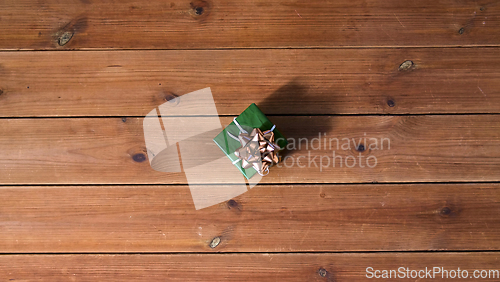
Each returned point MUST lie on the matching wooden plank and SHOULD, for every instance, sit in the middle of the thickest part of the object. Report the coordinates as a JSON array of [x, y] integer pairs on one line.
[[201, 24], [396, 149], [277, 218], [342, 81], [248, 267]]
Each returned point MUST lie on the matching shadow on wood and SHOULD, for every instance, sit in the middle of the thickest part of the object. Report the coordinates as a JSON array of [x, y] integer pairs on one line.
[[291, 93]]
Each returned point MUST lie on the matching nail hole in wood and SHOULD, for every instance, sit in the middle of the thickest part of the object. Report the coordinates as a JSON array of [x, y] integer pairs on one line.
[[461, 31], [172, 98], [232, 204], [391, 103], [139, 158], [322, 272], [215, 242], [445, 211], [406, 65], [65, 38], [361, 148], [198, 10]]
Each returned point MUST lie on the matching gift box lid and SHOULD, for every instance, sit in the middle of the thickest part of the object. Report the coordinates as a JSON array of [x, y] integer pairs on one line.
[[251, 118]]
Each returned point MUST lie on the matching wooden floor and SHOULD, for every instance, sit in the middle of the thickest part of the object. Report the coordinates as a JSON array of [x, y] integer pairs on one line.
[[80, 202]]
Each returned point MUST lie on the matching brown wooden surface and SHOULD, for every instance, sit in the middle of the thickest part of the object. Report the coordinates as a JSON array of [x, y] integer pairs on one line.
[[268, 218], [72, 103], [338, 81], [30, 24], [112, 150], [237, 267]]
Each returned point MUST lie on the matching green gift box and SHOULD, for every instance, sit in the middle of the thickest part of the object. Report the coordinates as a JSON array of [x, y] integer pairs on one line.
[[251, 118]]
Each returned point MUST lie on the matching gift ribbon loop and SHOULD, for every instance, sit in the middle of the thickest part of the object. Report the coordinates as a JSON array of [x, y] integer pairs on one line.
[[239, 126], [257, 149]]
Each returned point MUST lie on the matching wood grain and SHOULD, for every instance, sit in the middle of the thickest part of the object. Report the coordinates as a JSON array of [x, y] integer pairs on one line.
[[201, 24], [282, 218], [322, 70], [339, 81], [240, 267], [396, 149]]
